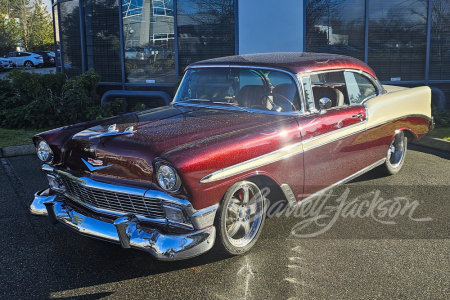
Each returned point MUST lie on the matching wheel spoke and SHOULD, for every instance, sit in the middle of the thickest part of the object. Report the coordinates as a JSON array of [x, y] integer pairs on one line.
[[234, 228], [252, 208], [246, 226], [233, 208], [246, 196]]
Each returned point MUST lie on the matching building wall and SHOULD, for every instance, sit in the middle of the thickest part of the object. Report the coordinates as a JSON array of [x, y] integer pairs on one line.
[[270, 26]]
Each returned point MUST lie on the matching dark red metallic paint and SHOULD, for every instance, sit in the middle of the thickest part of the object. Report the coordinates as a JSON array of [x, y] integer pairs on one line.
[[292, 62], [200, 141]]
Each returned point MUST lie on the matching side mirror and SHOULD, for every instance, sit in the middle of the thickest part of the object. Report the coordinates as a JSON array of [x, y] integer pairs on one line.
[[324, 103]]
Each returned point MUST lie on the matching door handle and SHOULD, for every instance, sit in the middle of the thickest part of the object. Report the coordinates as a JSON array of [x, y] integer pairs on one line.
[[360, 115]]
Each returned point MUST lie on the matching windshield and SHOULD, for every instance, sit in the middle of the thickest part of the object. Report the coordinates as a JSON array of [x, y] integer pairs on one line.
[[240, 87]]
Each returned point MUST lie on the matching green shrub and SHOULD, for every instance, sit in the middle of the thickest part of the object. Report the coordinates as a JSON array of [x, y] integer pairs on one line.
[[441, 118], [139, 107], [34, 100]]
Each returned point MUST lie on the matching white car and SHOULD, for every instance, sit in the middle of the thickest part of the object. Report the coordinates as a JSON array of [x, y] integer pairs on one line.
[[6, 64], [26, 59]]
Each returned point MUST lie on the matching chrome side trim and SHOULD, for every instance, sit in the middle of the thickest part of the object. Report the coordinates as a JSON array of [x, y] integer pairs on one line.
[[338, 131], [254, 163], [399, 118], [349, 178], [287, 152]]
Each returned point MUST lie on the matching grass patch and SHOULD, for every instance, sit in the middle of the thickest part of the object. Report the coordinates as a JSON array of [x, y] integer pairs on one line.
[[440, 133], [15, 137]]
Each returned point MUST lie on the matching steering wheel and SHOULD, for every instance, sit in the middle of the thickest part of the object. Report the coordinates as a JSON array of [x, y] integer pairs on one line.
[[281, 96]]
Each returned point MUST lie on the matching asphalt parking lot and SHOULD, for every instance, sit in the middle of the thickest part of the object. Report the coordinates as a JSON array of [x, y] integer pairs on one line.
[[398, 250]]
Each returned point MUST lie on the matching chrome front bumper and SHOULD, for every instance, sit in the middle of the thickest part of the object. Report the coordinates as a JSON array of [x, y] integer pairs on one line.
[[125, 230]]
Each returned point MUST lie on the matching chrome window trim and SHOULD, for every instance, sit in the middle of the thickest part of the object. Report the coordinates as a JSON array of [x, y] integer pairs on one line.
[[292, 75], [374, 81]]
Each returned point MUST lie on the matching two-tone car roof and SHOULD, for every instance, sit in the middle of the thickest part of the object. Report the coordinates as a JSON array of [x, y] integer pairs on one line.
[[294, 62]]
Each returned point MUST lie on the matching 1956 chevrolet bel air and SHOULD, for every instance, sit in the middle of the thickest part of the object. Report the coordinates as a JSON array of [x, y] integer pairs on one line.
[[175, 180]]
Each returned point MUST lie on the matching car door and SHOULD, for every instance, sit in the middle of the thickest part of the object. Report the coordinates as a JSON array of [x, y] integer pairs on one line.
[[20, 59], [333, 139], [360, 89], [13, 57]]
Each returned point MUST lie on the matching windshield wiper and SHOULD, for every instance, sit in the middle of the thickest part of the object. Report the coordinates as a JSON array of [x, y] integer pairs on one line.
[[234, 105], [196, 100], [212, 102]]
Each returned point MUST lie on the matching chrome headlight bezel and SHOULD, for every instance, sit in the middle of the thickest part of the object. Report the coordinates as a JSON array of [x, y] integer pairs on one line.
[[44, 152], [55, 183], [167, 177]]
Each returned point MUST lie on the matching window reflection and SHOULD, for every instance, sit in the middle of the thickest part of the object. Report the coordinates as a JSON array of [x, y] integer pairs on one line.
[[57, 40], [397, 39], [148, 30], [70, 41], [205, 30], [440, 40], [335, 26], [102, 38]]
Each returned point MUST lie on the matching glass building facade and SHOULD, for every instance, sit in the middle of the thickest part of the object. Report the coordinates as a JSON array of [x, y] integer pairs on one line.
[[146, 44]]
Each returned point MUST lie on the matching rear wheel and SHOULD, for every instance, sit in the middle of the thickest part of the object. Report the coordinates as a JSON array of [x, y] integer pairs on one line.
[[396, 154], [28, 64], [240, 218]]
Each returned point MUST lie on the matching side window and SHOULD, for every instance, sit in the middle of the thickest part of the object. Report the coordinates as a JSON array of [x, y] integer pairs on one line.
[[25, 54], [306, 81], [329, 85], [359, 87]]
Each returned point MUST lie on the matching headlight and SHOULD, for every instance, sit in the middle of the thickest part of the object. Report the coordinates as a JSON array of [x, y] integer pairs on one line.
[[44, 152], [168, 178]]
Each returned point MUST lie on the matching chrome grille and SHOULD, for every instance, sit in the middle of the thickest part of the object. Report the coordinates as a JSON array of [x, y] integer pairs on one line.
[[114, 201]]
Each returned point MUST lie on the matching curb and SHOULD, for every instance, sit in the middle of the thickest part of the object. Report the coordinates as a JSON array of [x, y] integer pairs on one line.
[[17, 150], [430, 142]]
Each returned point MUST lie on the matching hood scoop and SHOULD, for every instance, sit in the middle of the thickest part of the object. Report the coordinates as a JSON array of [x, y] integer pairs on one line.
[[113, 131]]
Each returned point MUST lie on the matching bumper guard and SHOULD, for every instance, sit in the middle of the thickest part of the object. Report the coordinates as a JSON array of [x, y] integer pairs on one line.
[[126, 230]]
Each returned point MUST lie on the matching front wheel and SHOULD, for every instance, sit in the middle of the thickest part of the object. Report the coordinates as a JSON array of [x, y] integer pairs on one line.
[[396, 154], [240, 218]]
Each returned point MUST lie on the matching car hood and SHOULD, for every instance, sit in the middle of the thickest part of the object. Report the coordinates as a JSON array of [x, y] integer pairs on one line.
[[130, 156]]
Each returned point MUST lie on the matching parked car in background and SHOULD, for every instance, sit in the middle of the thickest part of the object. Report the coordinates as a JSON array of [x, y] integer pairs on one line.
[[26, 59], [241, 132], [6, 64], [49, 59]]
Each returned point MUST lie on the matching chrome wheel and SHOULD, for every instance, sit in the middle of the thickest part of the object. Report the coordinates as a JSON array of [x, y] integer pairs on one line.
[[244, 214], [28, 64], [396, 151]]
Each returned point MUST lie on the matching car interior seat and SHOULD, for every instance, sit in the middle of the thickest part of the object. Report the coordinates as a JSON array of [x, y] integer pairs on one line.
[[251, 95]]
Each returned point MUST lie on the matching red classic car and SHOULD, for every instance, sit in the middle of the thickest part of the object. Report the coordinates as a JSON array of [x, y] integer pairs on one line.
[[175, 180]]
